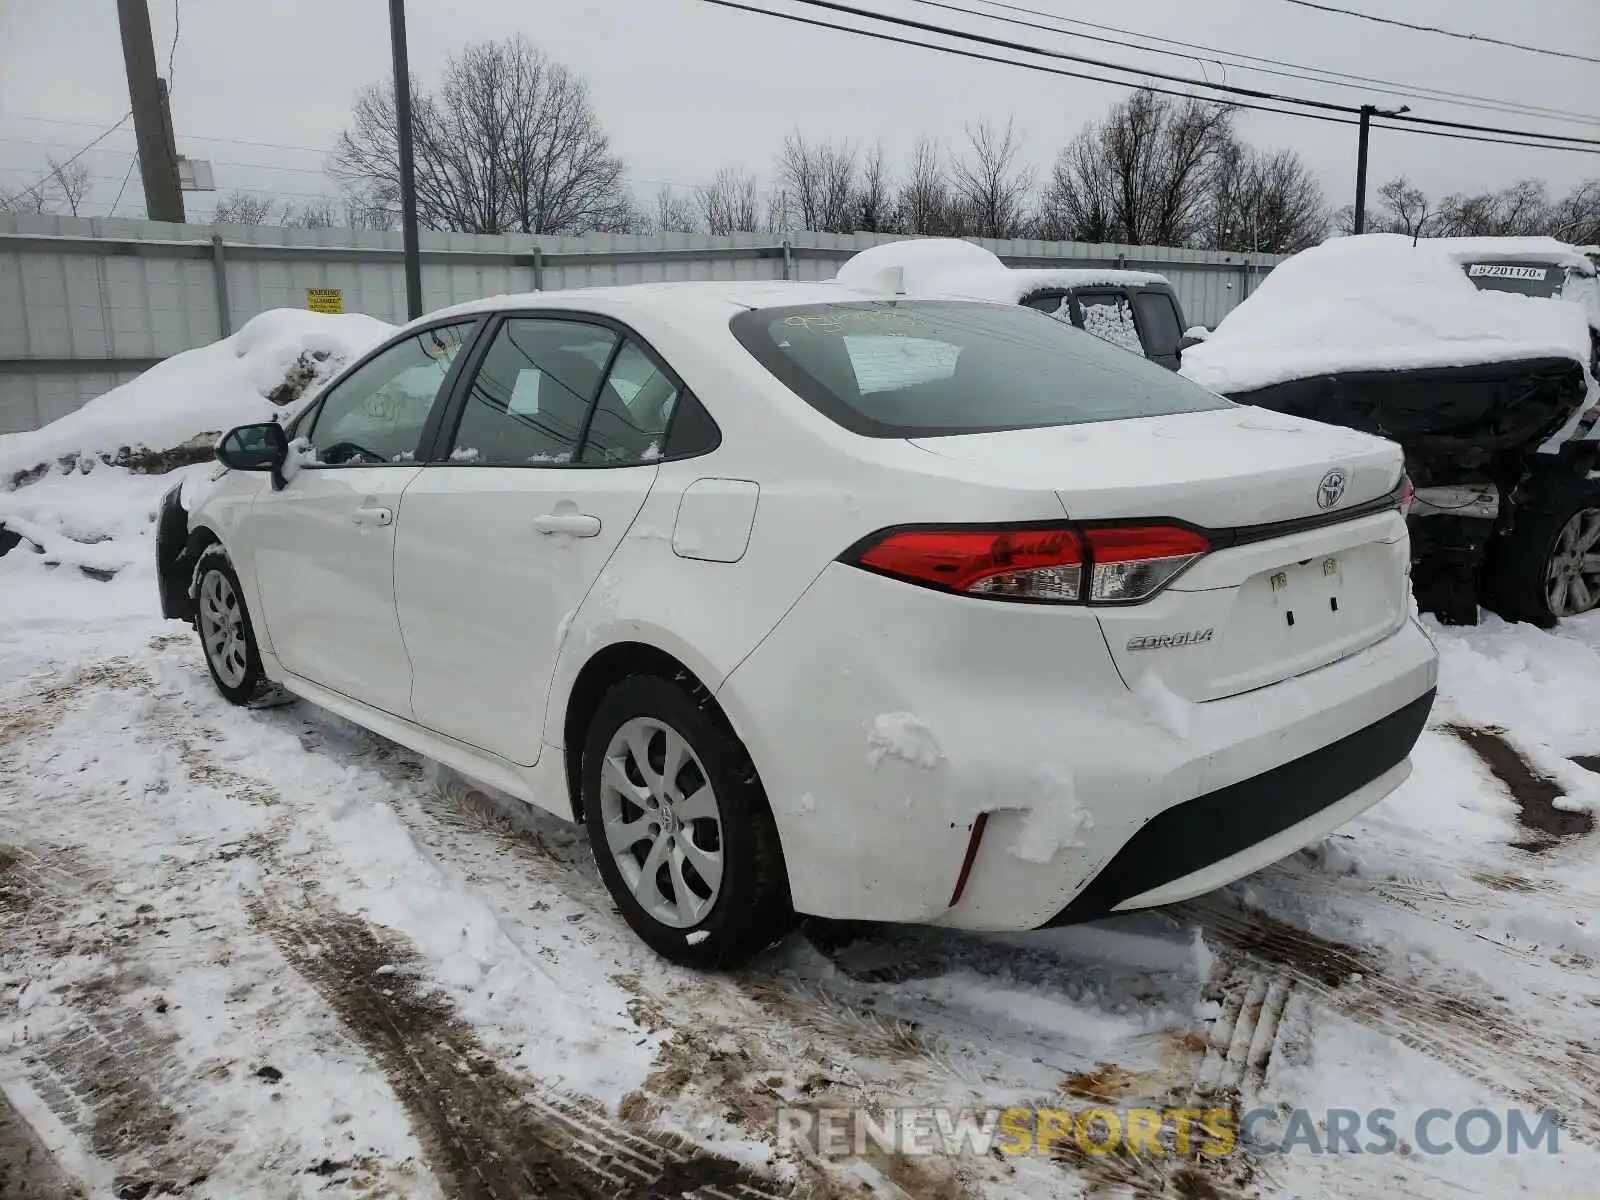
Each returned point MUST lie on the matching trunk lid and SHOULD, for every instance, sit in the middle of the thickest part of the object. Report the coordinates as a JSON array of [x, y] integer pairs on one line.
[[1287, 587], [1218, 469]]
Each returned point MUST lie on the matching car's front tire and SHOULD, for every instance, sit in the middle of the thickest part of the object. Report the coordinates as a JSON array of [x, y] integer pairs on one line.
[[680, 826], [223, 622]]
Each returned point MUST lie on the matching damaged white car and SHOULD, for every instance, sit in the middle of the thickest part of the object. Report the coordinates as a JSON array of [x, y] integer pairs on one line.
[[812, 600]]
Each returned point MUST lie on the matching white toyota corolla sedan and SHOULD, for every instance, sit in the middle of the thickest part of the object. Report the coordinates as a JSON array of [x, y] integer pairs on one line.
[[812, 600]]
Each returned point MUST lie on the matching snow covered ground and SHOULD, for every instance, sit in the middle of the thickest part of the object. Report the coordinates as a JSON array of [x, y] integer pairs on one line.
[[264, 953]]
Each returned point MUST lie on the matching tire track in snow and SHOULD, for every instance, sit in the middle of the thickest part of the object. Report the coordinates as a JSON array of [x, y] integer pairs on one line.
[[27, 1172], [1475, 1035], [103, 1072], [487, 1134]]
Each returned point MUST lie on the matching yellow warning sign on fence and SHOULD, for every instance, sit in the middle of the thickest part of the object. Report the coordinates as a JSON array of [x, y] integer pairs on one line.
[[325, 300]]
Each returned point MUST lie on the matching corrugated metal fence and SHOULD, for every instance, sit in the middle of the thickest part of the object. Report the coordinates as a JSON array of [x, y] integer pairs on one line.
[[86, 304]]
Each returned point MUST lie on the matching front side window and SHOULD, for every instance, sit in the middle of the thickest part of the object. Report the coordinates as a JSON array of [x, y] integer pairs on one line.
[[528, 402], [376, 414], [1158, 316], [1109, 317], [921, 368]]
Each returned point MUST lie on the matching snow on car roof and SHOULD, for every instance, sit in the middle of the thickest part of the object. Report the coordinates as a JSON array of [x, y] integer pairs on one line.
[[953, 269], [1377, 302], [1514, 249]]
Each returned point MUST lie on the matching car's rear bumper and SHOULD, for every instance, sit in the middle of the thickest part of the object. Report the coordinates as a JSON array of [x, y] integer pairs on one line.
[[1214, 839], [1019, 716]]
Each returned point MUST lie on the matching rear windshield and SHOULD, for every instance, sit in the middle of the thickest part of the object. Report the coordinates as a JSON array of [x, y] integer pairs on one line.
[[921, 368], [1525, 279]]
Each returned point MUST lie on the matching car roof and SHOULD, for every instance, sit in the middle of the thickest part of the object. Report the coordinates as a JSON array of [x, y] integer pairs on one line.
[[729, 296]]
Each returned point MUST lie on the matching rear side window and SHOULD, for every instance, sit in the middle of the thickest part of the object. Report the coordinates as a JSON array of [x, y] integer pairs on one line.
[[1158, 317], [630, 419], [1109, 317], [920, 368], [528, 402]]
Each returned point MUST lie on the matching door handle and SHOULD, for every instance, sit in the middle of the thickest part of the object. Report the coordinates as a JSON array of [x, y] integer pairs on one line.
[[374, 516], [575, 524]]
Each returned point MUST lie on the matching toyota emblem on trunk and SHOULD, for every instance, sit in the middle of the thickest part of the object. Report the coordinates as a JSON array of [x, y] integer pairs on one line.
[[1331, 490]]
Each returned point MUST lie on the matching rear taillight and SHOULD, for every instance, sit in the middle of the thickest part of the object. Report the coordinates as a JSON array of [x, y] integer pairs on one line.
[[1134, 562], [1062, 564], [1405, 495], [1011, 564]]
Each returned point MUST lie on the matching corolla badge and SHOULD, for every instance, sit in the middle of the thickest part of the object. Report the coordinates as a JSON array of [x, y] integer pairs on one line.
[[1331, 490]]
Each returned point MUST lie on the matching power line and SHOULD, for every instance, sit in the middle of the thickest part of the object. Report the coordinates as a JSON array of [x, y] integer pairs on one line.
[[1224, 88], [879, 35], [172, 51], [191, 137], [126, 175], [1003, 44], [1244, 61], [43, 179], [1466, 37], [1324, 106]]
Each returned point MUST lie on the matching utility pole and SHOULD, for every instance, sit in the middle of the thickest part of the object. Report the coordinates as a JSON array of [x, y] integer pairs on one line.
[[1368, 111], [152, 120], [408, 170]]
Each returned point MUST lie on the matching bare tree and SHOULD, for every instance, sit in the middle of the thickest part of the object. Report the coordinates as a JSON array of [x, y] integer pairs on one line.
[[71, 183], [819, 182], [875, 196], [509, 142], [243, 208], [670, 213], [1405, 207], [1142, 175], [1263, 202], [1575, 217], [729, 203], [1519, 210], [28, 200], [924, 200], [358, 214], [322, 213], [65, 186], [990, 185]]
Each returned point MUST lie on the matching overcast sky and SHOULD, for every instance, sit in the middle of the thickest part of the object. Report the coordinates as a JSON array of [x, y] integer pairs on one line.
[[684, 88]]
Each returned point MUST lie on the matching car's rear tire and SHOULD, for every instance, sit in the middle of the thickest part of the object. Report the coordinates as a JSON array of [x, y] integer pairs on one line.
[[223, 622], [680, 826], [1539, 570]]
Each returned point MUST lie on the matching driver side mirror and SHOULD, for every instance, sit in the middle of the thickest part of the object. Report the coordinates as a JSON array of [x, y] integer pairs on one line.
[[260, 447]]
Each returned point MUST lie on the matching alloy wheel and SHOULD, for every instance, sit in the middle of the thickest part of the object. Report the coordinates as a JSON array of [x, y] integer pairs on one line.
[[1572, 575], [222, 629], [662, 823]]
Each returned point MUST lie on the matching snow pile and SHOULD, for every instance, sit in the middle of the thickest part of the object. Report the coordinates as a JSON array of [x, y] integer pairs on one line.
[[1377, 302], [268, 368], [949, 268]]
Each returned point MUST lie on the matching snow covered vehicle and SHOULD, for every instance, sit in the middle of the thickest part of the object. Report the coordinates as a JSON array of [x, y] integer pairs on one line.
[[1533, 266], [1136, 310], [1489, 388]]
